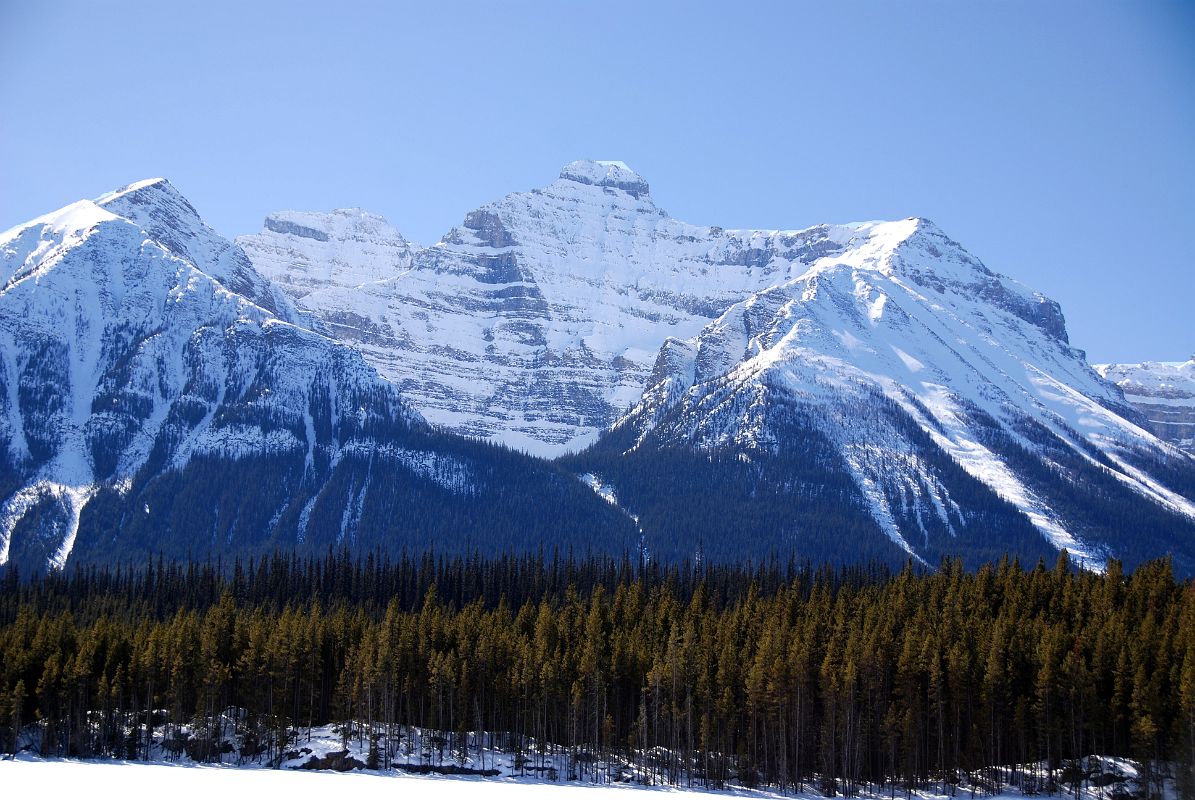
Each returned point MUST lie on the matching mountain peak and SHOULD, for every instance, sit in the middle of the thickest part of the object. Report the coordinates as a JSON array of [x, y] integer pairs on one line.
[[610, 174], [155, 205], [168, 218], [136, 186], [149, 193]]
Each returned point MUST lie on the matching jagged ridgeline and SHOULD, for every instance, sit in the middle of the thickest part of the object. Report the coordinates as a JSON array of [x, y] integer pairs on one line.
[[851, 681], [845, 393]]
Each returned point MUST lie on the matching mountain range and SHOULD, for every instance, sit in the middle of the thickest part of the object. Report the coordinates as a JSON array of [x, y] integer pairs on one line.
[[844, 392], [536, 321]]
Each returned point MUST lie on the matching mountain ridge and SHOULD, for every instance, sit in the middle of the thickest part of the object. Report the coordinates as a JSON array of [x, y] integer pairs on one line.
[[570, 288], [845, 392]]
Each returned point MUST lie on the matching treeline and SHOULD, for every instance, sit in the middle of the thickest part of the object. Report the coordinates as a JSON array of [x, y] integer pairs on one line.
[[778, 676], [373, 581]]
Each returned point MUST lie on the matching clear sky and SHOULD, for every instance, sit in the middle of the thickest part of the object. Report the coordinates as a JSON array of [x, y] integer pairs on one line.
[[1055, 140]]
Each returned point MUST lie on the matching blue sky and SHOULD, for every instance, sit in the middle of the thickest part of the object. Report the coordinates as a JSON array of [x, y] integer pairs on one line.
[[1055, 140]]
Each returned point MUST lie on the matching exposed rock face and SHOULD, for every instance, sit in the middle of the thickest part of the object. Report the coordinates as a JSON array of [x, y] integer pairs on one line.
[[305, 253], [1164, 393], [536, 321]]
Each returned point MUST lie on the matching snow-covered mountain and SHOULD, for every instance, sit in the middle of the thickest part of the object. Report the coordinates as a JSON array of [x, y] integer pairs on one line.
[[853, 392], [1164, 393], [536, 321], [155, 395], [905, 385]]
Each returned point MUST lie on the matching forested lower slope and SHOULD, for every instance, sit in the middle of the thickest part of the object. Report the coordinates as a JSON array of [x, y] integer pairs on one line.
[[777, 676]]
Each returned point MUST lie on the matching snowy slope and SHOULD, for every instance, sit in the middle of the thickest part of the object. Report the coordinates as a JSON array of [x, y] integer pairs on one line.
[[902, 348], [147, 403], [111, 780], [1164, 393], [536, 321]]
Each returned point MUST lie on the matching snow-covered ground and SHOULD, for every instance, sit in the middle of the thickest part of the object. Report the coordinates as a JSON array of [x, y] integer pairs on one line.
[[108, 779], [426, 763], [103, 779], [292, 774], [26, 777]]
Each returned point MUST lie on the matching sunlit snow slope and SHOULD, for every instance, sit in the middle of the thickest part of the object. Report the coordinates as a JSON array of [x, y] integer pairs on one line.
[[924, 390]]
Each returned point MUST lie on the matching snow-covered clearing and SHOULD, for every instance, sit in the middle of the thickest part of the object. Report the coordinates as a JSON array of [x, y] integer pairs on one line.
[[103, 779], [29, 776]]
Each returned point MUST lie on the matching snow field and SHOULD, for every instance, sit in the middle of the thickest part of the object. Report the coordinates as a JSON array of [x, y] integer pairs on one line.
[[113, 779]]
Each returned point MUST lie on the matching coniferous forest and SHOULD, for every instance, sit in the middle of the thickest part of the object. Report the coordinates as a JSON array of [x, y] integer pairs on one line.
[[839, 680]]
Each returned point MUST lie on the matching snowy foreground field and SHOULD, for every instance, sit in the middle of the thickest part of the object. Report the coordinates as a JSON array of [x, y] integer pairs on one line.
[[301, 773], [31, 777], [92, 779]]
